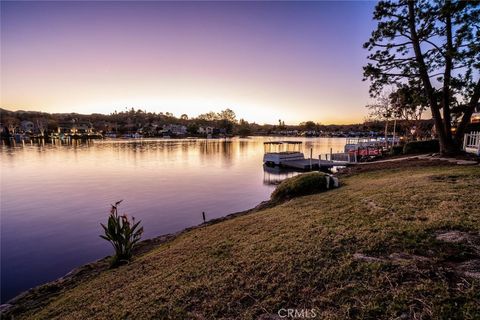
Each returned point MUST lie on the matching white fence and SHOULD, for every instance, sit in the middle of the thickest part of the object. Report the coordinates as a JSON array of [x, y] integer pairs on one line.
[[471, 142]]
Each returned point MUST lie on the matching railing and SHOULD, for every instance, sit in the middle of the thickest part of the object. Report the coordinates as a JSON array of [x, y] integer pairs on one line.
[[362, 141], [339, 157], [471, 142]]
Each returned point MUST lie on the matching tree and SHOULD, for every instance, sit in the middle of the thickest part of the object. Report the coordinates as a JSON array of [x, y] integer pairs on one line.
[[382, 110], [184, 117], [244, 129], [408, 102], [308, 126], [192, 128], [228, 114], [225, 124], [210, 116], [434, 44]]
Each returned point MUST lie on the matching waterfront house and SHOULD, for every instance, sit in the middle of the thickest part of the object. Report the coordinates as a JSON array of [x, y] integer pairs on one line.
[[83, 127], [27, 126], [65, 127], [205, 130], [75, 127], [174, 129]]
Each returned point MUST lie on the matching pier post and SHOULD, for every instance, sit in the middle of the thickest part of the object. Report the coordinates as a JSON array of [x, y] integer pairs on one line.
[[311, 156]]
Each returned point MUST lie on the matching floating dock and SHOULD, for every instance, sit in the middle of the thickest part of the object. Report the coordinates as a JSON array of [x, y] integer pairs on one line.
[[312, 164], [286, 154]]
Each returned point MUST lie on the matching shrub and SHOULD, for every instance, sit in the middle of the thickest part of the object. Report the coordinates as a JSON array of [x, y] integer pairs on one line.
[[421, 146], [303, 184], [123, 234], [396, 150]]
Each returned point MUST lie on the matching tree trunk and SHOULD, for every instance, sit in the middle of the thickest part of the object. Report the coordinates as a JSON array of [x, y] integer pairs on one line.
[[386, 133], [450, 148], [445, 137], [447, 119]]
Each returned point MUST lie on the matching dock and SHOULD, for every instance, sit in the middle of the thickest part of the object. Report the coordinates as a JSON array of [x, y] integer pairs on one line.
[[312, 164], [287, 154]]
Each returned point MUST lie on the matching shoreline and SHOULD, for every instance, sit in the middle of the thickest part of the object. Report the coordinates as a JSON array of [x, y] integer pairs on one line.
[[39, 296], [50, 289]]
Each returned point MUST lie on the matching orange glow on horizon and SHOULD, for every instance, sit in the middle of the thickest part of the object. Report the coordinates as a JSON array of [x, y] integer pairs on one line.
[[187, 58]]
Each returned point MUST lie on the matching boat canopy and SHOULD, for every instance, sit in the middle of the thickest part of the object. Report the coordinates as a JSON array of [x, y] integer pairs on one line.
[[282, 146]]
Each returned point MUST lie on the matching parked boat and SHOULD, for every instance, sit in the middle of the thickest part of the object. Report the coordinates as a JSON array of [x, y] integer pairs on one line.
[[276, 152]]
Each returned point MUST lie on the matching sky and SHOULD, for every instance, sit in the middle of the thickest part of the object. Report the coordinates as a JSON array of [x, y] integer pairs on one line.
[[294, 61]]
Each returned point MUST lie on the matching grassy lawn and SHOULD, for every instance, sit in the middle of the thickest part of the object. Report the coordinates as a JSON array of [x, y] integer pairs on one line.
[[369, 250]]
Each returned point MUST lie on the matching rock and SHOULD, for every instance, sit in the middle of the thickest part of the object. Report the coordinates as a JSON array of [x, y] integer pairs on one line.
[[363, 257], [5, 307], [466, 162], [335, 181], [402, 257], [470, 268], [454, 237]]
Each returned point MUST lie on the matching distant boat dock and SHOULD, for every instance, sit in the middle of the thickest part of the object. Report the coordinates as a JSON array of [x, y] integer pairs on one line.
[[287, 154]]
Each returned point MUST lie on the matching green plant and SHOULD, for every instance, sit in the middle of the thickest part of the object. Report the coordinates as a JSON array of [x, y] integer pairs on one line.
[[303, 184], [421, 147], [123, 234]]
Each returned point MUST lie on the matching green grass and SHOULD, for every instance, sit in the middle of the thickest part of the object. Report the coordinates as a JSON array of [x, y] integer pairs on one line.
[[300, 254]]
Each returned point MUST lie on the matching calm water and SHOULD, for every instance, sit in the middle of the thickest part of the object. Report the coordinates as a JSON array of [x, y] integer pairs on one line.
[[53, 197]]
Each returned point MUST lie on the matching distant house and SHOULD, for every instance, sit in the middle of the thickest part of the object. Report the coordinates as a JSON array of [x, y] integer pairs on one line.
[[27, 126], [75, 127], [205, 130], [65, 126], [175, 129], [83, 127], [104, 126]]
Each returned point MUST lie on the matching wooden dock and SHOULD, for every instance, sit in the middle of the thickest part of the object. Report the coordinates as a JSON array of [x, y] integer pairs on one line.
[[311, 164]]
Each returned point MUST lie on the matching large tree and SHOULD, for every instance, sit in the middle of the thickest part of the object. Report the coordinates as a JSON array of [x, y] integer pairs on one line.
[[435, 44]]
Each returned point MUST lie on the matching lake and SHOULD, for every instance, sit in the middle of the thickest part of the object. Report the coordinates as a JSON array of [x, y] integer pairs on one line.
[[54, 196]]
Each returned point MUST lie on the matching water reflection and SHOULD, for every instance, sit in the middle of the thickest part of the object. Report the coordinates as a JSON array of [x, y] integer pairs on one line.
[[55, 194], [272, 176]]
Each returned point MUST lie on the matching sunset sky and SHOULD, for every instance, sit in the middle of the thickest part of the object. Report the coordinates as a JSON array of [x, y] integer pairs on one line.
[[294, 61]]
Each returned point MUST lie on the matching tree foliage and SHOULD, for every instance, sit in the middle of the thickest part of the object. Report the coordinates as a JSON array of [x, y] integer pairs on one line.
[[408, 102], [434, 46]]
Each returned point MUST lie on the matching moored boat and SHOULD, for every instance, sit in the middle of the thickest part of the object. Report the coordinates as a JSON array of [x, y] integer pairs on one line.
[[276, 152]]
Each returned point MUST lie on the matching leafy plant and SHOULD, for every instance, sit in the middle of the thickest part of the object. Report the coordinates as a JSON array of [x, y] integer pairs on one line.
[[123, 234], [303, 184], [425, 146], [396, 150]]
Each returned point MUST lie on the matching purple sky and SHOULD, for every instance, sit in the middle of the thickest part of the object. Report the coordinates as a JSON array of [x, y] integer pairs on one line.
[[294, 61]]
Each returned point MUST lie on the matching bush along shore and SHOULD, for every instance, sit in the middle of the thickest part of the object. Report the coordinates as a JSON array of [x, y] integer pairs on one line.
[[396, 240]]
